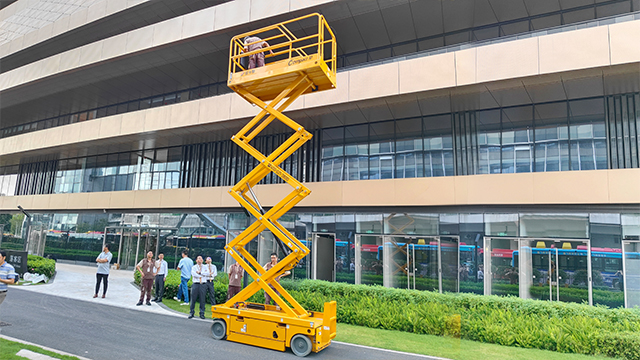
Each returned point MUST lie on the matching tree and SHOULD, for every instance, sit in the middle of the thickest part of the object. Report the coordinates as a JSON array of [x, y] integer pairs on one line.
[[5, 220], [16, 223]]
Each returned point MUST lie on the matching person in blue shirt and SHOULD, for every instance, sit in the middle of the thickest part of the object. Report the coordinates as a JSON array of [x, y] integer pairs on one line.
[[185, 265], [7, 276]]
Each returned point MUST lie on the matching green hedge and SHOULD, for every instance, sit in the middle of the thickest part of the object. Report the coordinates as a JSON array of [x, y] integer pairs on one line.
[[511, 321], [562, 327], [40, 265]]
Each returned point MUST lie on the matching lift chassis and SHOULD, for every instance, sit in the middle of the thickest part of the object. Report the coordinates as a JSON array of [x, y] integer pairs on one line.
[[295, 65]]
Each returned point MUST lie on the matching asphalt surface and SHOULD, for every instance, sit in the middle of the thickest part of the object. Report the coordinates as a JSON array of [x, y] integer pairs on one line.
[[99, 331]]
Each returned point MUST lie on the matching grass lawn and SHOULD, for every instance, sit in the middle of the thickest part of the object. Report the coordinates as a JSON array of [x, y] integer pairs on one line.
[[8, 350], [425, 344], [444, 346]]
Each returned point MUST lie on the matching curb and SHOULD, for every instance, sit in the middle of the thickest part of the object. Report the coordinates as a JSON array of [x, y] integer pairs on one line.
[[42, 347]]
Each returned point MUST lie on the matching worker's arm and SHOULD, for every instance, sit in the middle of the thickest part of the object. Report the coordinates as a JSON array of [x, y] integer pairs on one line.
[[266, 44], [8, 281]]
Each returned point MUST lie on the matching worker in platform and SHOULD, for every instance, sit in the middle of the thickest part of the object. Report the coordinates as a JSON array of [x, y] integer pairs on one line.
[[252, 43]]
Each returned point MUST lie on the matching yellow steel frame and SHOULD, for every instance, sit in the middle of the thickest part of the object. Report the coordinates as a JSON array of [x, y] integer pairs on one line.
[[307, 66]]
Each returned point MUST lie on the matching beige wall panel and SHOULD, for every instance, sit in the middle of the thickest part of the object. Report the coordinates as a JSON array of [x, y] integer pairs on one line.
[[216, 108], [624, 186], [78, 201], [574, 50], [336, 96], [114, 46], [368, 193], [241, 108], [147, 199], [507, 60], [61, 25], [131, 3], [226, 200], [461, 189], [167, 31], [323, 194], [424, 191], [51, 65], [78, 18], [90, 53], [198, 23], [114, 6], [52, 137], [301, 4], [110, 126], [565, 187], [97, 11], [40, 202], [625, 42], [25, 201], [372, 82], [232, 13], [10, 203], [466, 67], [175, 198], [261, 9], [69, 59], [45, 32], [269, 195], [122, 200], [29, 39], [157, 119], [206, 197], [16, 44], [184, 114], [139, 39], [71, 133], [89, 130], [500, 189], [5, 49], [132, 123], [427, 73], [99, 200]]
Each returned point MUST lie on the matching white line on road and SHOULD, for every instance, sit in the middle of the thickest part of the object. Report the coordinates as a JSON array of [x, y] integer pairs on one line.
[[391, 351]]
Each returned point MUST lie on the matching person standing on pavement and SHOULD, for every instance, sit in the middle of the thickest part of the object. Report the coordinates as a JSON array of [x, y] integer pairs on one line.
[[7, 276], [236, 272], [184, 266], [200, 274], [162, 269], [213, 272], [103, 260], [148, 271]]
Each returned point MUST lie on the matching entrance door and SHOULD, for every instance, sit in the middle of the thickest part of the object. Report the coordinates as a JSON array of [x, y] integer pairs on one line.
[[398, 260], [451, 269], [369, 259], [559, 269], [630, 276], [426, 274], [501, 275], [324, 256], [129, 249]]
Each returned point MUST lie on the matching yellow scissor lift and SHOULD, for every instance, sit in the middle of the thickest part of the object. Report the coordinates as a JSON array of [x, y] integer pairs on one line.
[[298, 65]]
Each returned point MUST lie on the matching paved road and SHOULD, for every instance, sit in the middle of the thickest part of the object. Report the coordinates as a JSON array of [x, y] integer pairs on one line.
[[106, 332]]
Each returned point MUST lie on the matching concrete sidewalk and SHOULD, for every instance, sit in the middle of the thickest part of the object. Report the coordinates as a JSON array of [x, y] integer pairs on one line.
[[78, 282]]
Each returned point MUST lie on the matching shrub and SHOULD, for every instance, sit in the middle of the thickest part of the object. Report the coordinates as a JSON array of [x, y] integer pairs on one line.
[[40, 265]]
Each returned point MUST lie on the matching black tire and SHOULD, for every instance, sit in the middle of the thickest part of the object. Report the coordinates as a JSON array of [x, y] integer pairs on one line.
[[301, 345], [219, 329]]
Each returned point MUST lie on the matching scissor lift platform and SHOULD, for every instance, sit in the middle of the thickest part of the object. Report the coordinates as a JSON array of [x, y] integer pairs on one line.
[[295, 65]]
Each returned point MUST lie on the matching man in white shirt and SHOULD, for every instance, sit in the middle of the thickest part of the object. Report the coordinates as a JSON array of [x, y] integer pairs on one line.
[[213, 272], [199, 276], [162, 269], [102, 274]]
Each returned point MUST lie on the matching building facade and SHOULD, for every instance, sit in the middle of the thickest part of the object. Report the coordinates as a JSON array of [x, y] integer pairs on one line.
[[481, 146]]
